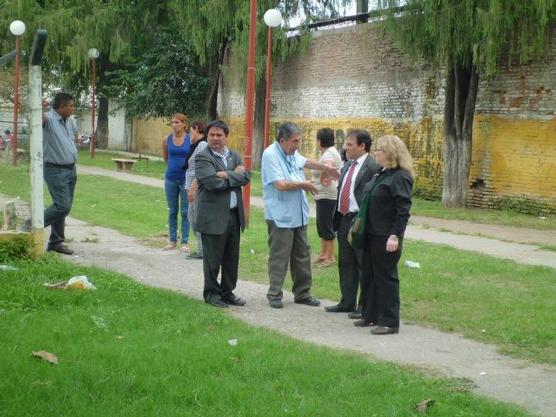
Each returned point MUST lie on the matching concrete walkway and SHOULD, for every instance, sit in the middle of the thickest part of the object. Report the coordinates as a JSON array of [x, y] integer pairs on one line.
[[495, 243]]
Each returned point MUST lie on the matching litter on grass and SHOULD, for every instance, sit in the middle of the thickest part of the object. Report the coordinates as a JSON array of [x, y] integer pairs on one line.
[[7, 268], [412, 264], [46, 356], [77, 283], [232, 342]]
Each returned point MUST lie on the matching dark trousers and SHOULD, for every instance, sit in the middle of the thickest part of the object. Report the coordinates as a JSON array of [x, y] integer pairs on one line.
[[382, 286], [349, 265], [288, 247], [61, 186], [221, 251]]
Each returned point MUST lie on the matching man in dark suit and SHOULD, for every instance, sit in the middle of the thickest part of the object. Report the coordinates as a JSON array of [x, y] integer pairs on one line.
[[220, 176], [356, 173]]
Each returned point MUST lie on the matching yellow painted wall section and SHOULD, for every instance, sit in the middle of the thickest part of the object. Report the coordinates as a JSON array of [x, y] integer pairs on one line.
[[514, 158], [149, 133], [427, 153]]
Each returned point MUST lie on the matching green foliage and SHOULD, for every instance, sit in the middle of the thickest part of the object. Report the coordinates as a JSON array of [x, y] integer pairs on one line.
[[165, 78], [477, 32], [208, 24], [16, 247]]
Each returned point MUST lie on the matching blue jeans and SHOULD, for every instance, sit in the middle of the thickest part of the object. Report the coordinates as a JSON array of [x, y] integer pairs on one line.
[[175, 192]]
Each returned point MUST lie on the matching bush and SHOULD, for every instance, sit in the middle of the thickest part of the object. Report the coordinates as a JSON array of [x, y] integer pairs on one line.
[[16, 247]]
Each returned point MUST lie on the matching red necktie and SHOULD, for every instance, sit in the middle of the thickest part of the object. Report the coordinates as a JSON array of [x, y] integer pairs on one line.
[[344, 195]]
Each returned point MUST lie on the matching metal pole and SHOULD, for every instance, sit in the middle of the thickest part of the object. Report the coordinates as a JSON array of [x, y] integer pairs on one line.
[[249, 110], [16, 102], [93, 106], [268, 82]]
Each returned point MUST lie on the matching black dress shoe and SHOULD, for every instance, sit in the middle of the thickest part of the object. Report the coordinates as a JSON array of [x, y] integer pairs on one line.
[[337, 309], [216, 302], [60, 248], [275, 303], [194, 255], [234, 300], [309, 301], [362, 323], [381, 330]]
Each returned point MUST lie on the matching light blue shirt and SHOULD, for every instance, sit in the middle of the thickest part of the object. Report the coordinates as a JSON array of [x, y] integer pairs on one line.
[[58, 140], [287, 209]]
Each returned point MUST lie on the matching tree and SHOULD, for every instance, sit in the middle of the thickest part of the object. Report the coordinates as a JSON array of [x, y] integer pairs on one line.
[[468, 38], [214, 26], [74, 26], [165, 78]]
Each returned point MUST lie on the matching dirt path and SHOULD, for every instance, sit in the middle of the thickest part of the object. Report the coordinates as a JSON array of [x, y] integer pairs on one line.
[[494, 243], [494, 375]]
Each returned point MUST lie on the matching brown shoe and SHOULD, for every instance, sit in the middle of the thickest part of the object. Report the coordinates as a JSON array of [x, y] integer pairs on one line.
[[363, 323], [382, 330], [60, 248]]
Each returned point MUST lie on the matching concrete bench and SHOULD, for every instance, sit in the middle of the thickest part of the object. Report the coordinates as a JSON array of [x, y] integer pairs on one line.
[[123, 164]]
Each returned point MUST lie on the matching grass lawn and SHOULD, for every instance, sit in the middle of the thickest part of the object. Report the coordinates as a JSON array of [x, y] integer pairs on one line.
[[129, 350], [154, 169], [484, 298]]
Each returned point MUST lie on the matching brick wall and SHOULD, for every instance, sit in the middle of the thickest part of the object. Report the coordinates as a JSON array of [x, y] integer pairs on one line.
[[355, 77]]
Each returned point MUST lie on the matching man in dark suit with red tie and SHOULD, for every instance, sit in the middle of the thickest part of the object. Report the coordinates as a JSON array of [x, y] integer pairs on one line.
[[356, 173]]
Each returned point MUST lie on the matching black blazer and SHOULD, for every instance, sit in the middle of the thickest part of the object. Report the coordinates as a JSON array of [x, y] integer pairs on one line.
[[365, 174], [214, 192], [389, 203]]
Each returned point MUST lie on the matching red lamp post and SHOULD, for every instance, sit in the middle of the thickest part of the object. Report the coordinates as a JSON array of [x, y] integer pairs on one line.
[[272, 18], [17, 27], [93, 55], [250, 107]]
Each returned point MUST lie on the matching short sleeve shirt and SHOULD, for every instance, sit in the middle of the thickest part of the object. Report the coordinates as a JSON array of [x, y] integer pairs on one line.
[[190, 173], [287, 209], [58, 140]]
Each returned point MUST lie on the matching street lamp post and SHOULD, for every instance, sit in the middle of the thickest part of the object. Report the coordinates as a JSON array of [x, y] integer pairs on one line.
[[249, 107], [93, 55], [273, 19], [17, 27]]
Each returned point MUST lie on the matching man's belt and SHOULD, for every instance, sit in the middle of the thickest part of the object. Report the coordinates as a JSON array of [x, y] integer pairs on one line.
[[66, 166]]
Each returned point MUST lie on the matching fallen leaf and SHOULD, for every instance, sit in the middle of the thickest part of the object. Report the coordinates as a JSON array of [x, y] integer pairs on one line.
[[424, 405], [46, 356]]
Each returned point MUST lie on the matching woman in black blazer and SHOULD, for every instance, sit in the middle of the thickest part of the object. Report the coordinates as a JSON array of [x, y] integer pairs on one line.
[[386, 220]]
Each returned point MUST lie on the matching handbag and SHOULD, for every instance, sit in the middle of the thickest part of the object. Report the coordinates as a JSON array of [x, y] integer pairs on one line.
[[357, 235]]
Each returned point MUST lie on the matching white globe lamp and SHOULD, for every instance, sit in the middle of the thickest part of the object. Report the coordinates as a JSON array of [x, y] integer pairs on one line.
[[17, 27], [273, 18]]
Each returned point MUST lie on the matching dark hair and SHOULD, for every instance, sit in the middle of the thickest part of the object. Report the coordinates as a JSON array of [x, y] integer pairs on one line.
[[287, 130], [7, 131], [60, 100], [325, 136], [362, 136], [198, 126], [219, 124]]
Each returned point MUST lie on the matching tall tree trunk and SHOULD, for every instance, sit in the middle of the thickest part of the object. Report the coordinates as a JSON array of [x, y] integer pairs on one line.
[[102, 122], [214, 68], [362, 7], [459, 110], [258, 134]]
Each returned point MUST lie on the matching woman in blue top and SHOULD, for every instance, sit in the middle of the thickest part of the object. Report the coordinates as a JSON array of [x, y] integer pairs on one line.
[[175, 149]]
